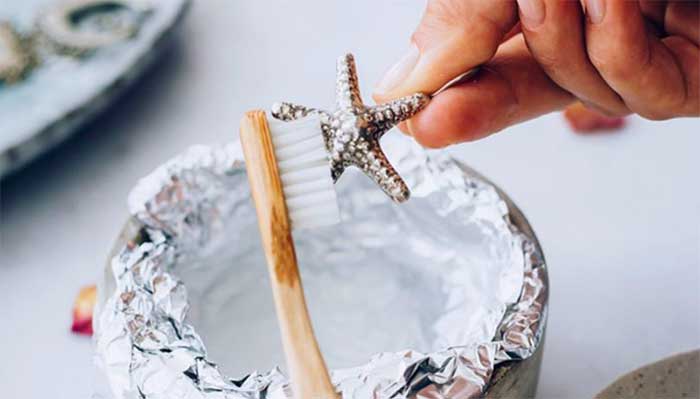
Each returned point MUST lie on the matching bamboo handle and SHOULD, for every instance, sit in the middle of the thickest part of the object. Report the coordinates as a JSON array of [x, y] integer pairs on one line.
[[309, 376]]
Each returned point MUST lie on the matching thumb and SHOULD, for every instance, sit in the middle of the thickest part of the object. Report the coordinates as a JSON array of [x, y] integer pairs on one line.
[[453, 37]]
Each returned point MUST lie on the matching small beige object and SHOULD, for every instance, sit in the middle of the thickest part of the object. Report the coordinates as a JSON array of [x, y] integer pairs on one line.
[[15, 60], [307, 369]]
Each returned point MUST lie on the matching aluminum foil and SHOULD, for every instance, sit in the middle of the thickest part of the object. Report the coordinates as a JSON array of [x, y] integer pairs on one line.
[[419, 300]]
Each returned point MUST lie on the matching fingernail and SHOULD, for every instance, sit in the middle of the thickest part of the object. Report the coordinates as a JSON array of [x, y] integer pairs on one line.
[[531, 13], [400, 71], [595, 9]]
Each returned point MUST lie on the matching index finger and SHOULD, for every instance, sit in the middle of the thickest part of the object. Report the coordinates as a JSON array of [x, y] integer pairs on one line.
[[453, 37], [500, 96]]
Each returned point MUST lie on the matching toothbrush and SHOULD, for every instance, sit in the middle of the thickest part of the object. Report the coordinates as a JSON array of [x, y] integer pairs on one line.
[[291, 185], [293, 163]]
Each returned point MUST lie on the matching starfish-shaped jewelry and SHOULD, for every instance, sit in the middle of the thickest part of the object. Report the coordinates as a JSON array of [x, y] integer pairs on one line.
[[353, 130]]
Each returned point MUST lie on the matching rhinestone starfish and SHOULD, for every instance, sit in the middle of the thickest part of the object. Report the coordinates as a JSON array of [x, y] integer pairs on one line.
[[353, 130]]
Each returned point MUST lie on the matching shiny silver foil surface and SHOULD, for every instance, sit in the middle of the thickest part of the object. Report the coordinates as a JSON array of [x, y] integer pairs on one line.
[[418, 300]]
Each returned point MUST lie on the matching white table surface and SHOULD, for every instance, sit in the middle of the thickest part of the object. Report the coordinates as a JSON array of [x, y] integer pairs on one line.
[[617, 214]]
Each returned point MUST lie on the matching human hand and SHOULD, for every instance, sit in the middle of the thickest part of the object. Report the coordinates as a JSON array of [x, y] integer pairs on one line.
[[537, 56]]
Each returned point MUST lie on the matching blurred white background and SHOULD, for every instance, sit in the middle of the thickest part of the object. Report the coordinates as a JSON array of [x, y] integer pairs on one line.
[[618, 214]]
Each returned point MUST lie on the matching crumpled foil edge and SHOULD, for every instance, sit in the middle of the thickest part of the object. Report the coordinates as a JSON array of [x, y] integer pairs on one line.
[[148, 350]]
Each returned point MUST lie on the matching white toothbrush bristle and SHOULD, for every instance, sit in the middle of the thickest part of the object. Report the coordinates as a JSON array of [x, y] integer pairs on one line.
[[302, 162]]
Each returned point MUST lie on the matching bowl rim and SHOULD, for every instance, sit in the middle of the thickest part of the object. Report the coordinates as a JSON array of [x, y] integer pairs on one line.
[[520, 374]]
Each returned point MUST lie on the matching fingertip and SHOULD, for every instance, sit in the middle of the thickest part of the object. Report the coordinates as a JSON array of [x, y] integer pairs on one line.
[[395, 77], [404, 128], [380, 97], [451, 118], [423, 130]]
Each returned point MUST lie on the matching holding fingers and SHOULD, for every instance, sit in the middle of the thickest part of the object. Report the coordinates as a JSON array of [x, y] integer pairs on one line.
[[617, 56], [652, 74], [555, 34]]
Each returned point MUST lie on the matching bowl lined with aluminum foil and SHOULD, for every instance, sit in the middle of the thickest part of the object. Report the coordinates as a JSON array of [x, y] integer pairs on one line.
[[444, 296]]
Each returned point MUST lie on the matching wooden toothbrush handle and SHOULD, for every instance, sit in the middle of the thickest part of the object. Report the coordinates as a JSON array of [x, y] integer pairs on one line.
[[309, 376]]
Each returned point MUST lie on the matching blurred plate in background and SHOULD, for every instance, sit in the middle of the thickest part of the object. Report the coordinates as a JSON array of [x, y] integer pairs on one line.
[[63, 92]]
